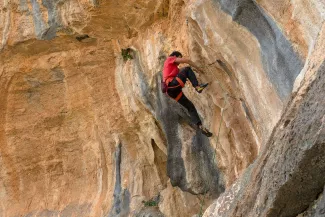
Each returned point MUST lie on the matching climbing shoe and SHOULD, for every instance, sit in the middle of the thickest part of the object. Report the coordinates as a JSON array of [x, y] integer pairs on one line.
[[205, 131], [201, 87]]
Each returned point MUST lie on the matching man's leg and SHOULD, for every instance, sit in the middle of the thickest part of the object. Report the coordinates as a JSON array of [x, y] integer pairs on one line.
[[184, 101], [187, 72], [194, 115], [174, 92]]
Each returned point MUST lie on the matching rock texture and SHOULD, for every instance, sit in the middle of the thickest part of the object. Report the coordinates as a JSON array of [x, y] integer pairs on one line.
[[288, 175], [316, 209], [86, 131]]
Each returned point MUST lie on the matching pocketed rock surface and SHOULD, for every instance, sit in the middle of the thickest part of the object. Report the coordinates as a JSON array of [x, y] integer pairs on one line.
[[86, 131]]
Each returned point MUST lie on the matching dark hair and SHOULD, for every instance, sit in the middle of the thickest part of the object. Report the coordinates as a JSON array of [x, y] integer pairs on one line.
[[176, 54]]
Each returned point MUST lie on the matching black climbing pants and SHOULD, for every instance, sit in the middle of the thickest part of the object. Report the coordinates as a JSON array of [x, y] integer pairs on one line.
[[184, 74]]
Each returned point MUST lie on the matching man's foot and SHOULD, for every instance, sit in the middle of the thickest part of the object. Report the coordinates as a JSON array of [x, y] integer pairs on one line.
[[201, 87], [205, 131]]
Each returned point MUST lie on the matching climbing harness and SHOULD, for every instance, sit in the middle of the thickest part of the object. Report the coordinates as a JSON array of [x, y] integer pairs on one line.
[[165, 86]]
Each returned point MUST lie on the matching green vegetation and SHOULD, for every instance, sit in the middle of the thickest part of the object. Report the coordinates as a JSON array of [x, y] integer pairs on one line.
[[150, 203], [126, 54]]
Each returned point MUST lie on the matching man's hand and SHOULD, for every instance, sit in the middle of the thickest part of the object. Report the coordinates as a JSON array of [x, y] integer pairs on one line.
[[190, 62]]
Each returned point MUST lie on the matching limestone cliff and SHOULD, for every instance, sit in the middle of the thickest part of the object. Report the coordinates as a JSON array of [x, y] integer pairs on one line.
[[86, 131]]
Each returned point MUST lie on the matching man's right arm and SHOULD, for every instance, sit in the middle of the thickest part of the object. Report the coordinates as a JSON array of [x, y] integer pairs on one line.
[[190, 62]]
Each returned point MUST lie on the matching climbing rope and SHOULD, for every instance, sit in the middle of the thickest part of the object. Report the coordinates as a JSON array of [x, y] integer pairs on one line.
[[225, 94], [214, 157]]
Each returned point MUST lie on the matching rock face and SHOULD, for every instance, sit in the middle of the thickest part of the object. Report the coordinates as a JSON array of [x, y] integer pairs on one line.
[[317, 208], [86, 131], [288, 175]]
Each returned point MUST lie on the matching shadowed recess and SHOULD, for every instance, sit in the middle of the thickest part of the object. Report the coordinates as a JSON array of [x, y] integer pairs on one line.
[[121, 204], [281, 63]]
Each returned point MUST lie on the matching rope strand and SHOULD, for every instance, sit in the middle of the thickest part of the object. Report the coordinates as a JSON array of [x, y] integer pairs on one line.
[[214, 157], [225, 94]]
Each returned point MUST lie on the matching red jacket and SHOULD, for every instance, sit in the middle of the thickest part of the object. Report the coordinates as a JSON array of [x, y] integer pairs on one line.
[[170, 68]]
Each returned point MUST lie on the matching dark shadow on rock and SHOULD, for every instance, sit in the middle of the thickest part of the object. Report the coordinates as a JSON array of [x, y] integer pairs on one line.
[[121, 204], [281, 63], [172, 115]]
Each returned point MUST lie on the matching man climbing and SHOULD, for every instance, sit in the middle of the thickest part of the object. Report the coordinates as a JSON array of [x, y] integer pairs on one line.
[[175, 79]]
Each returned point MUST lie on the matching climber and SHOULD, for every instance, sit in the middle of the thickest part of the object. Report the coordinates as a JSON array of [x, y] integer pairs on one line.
[[175, 79]]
